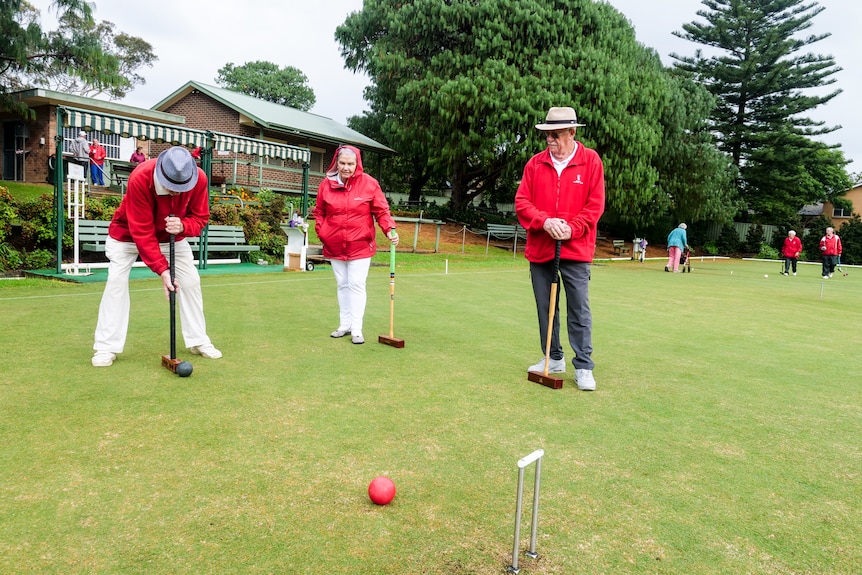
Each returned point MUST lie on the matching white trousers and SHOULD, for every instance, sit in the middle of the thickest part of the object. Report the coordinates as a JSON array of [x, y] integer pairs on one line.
[[113, 324], [350, 279]]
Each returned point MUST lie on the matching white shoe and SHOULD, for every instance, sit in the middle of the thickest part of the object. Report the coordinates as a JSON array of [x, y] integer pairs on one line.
[[103, 358], [585, 380], [556, 366], [357, 337], [206, 350], [794, 273], [830, 275], [826, 277], [340, 332]]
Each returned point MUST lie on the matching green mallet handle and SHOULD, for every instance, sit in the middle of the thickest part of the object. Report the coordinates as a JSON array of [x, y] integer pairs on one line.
[[391, 290]]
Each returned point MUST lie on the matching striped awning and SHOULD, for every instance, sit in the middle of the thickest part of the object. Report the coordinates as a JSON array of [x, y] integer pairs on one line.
[[241, 145], [128, 128]]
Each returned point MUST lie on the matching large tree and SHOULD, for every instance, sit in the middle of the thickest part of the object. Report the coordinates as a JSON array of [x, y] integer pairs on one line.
[[83, 56], [287, 86], [131, 54], [458, 87], [764, 85]]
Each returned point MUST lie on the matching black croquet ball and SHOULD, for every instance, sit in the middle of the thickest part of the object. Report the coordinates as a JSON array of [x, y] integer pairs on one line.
[[184, 369]]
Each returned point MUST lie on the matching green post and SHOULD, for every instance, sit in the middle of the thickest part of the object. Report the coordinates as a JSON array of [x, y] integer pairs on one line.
[[58, 189], [392, 259], [206, 165], [305, 190]]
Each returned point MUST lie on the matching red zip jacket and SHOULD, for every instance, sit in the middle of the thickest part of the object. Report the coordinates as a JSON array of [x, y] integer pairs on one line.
[[345, 212], [792, 247], [578, 196], [832, 245], [98, 155], [141, 215]]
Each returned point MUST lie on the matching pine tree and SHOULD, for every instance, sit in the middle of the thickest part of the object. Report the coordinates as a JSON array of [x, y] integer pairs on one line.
[[763, 87], [458, 87]]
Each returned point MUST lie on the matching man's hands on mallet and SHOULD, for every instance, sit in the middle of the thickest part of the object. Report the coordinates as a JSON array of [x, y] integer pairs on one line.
[[558, 229], [173, 225], [166, 284]]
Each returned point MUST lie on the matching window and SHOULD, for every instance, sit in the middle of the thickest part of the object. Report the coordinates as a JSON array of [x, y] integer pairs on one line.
[[111, 142], [841, 212], [315, 164]]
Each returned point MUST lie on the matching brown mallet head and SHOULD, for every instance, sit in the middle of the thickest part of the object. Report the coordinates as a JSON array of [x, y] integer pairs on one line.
[[544, 379], [391, 341], [170, 363]]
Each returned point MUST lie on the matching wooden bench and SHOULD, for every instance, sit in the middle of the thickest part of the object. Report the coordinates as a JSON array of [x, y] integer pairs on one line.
[[512, 232], [224, 239], [93, 233], [621, 248]]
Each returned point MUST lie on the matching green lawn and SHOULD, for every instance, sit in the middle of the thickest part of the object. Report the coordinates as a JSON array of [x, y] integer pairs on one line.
[[723, 437], [27, 191]]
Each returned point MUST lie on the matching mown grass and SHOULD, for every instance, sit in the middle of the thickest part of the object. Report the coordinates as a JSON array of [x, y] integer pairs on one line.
[[23, 191], [723, 437]]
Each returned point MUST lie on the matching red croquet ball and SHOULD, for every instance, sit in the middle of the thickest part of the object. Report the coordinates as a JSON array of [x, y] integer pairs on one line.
[[381, 490]]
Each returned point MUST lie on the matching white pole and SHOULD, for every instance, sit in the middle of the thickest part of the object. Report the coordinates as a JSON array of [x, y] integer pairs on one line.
[[447, 267]]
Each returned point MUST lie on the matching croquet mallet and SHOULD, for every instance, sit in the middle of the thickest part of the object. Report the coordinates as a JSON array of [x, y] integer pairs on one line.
[[543, 378], [391, 339], [172, 362]]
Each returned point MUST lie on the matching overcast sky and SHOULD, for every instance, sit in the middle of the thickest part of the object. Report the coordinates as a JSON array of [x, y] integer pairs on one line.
[[194, 39]]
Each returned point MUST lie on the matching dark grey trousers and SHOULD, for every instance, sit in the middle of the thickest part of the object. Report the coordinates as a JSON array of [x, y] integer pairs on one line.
[[579, 320]]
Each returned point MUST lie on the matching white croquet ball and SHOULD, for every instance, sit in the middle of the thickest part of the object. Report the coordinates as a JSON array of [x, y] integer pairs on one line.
[[766, 275]]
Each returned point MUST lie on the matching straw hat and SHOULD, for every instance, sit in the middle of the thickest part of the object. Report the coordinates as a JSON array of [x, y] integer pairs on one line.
[[559, 118]]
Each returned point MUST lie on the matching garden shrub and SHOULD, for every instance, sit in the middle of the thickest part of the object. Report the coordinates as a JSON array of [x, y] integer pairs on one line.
[[728, 240], [767, 252], [753, 239]]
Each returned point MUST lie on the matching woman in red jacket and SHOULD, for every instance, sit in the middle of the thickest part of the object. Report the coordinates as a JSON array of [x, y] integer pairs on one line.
[[348, 202]]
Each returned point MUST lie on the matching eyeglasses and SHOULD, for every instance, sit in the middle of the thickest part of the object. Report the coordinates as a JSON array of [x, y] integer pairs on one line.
[[555, 135]]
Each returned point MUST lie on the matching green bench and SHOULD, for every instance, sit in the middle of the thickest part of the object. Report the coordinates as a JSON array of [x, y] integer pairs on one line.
[[93, 233], [621, 248], [512, 232], [224, 239]]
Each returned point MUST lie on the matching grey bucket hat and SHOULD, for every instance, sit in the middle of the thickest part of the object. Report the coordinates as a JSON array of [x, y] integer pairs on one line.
[[176, 170]]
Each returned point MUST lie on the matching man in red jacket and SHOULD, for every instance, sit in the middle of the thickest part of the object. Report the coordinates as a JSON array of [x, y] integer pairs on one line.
[[97, 163], [791, 250], [561, 198], [166, 195], [830, 248]]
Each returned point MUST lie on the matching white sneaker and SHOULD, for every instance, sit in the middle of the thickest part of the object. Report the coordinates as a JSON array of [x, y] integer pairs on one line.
[[830, 275], [826, 277], [585, 380], [794, 273], [103, 358], [340, 332], [357, 337], [206, 350], [556, 366]]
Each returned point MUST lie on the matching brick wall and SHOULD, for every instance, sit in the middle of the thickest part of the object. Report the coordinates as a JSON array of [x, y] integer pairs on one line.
[[36, 159], [205, 113]]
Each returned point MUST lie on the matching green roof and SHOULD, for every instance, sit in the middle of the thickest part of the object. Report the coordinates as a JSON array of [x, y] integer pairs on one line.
[[280, 118], [41, 96]]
